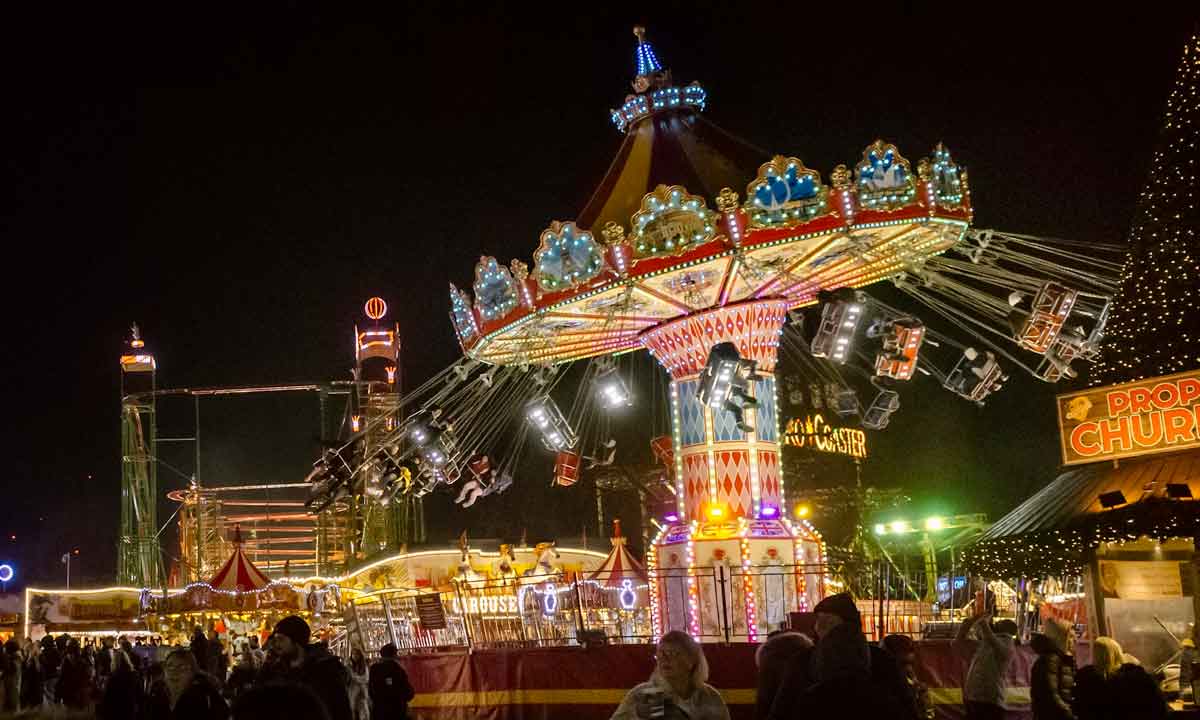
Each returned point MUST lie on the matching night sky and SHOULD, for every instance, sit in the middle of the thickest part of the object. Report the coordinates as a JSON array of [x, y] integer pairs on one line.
[[239, 180]]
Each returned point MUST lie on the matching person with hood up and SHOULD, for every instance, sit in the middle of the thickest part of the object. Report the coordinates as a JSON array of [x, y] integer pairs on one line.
[[292, 660], [677, 689], [1052, 678]]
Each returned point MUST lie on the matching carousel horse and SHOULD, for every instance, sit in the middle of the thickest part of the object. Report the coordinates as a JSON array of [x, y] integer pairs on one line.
[[502, 569], [465, 573], [547, 555]]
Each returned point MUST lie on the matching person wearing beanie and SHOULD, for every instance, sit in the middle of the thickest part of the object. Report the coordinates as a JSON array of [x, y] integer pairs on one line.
[[292, 660], [389, 687], [835, 611]]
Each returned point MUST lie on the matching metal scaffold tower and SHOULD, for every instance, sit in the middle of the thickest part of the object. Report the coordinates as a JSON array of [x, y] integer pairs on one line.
[[139, 560]]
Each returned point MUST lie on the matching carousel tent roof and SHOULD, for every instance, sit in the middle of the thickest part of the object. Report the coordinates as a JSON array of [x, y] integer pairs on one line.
[[1075, 495], [670, 148], [619, 565], [1048, 532], [238, 574]]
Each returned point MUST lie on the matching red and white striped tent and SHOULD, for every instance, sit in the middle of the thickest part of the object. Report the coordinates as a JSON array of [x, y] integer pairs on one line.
[[620, 565], [238, 574]]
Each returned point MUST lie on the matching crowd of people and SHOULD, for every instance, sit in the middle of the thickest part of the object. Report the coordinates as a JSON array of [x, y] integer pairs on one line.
[[290, 678], [841, 675], [836, 674]]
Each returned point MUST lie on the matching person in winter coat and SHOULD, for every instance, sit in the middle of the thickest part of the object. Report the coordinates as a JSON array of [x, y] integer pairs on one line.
[[1136, 693], [1052, 678], [291, 659], [199, 647], [885, 671], [904, 650], [123, 692], [218, 662], [782, 655], [1092, 695], [11, 666], [51, 662], [845, 687], [360, 701], [388, 686], [275, 700], [193, 694], [31, 676], [156, 703], [77, 679], [677, 689]]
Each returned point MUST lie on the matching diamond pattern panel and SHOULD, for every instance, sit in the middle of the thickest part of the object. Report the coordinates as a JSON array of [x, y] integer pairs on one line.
[[768, 422], [691, 414], [725, 427], [733, 481], [768, 477], [695, 483], [682, 345]]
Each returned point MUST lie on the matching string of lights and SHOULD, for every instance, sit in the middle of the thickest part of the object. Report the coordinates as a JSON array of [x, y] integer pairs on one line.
[[1155, 327]]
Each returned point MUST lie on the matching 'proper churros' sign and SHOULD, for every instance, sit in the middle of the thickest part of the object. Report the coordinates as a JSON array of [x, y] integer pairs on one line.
[[1149, 416]]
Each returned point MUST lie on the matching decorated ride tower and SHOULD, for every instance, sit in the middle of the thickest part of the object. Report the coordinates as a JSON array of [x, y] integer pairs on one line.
[[139, 558], [647, 263], [385, 524]]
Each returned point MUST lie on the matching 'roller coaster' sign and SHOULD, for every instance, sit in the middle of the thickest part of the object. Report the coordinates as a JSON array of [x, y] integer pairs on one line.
[[814, 433]]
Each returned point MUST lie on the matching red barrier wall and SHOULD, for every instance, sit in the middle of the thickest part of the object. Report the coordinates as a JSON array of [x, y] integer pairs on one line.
[[583, 684]]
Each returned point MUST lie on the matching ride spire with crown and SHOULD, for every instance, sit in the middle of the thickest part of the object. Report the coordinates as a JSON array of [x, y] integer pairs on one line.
[[653, 91]]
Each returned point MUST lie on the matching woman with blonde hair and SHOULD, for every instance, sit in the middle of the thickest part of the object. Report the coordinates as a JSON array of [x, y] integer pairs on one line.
[[678, 688], [1093, 698]]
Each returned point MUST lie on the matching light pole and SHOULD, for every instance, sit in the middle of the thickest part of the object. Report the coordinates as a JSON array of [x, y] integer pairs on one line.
[[66, 558]]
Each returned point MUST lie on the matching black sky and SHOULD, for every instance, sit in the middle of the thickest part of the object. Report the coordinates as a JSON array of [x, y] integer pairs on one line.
[[238, 180]]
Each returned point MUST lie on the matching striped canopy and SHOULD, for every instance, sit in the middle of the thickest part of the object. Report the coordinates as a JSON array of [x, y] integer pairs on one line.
[[671, 148], [619, 565], [238, 574]]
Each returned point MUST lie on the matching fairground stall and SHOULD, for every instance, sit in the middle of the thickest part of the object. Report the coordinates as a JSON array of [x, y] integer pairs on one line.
[[451, 599], [238, 601], [1110, 544], [93, 613]]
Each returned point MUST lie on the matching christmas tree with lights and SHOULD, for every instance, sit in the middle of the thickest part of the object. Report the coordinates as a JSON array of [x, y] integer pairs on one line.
[[1155, 324]]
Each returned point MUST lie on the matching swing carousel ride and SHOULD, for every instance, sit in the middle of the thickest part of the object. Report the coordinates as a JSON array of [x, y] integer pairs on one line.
[[714, 293]]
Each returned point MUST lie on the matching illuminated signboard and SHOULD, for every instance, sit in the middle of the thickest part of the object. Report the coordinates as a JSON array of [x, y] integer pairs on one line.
[[1149, 416], [487, 605], [814, 433]]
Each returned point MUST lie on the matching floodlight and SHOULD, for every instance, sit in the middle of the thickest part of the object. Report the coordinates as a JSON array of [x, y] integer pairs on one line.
[[1179, 491], [614, 393]]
